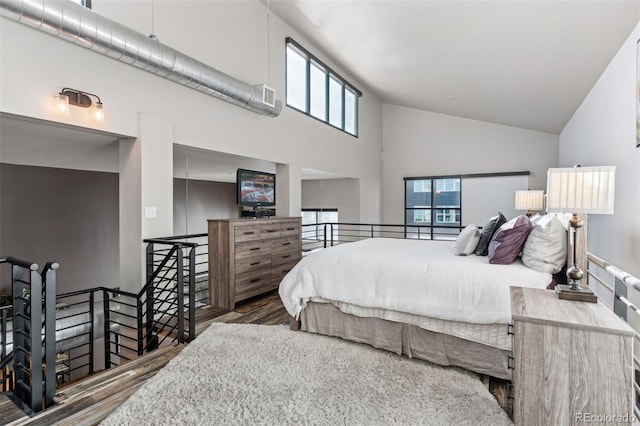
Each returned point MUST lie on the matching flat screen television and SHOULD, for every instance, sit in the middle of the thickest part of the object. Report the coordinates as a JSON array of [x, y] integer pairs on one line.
[[256, 189]]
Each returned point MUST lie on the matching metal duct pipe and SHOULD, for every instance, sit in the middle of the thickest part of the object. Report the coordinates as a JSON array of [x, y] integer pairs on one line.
[[81, 26]]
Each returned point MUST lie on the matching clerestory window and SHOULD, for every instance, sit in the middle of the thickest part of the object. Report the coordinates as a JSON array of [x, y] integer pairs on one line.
[[316, 90]]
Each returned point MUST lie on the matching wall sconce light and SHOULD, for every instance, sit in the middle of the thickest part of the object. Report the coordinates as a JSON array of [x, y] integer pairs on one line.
[[80, 99], [62, 104]]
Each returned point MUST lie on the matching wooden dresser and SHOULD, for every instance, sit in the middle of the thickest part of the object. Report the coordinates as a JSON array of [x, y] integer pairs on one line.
[[573, 361], [248, 257]]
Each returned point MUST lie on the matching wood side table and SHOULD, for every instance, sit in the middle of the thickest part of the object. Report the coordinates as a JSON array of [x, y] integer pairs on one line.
[[573, 361]]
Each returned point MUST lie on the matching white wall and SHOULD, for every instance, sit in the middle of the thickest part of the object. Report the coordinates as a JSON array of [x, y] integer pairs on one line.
[[228, 35], [602, 132], [341, 194], [423, 143]]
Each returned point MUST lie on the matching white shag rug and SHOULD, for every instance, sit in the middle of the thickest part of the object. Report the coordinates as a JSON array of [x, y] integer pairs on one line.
[[270, 375]]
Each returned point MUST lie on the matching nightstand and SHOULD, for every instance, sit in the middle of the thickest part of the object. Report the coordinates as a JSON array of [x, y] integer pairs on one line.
[[573, 361]]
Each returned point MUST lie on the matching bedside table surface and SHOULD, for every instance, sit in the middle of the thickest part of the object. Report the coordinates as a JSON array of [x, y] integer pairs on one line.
[[544, 307]]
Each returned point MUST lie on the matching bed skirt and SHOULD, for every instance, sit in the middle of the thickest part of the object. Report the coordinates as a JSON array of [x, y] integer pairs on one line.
[[407, 339]]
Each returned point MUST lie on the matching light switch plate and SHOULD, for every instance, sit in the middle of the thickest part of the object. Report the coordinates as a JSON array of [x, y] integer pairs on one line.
[[150, 212]]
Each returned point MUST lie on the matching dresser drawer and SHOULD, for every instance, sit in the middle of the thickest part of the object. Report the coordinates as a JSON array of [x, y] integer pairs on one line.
[[252, 283], [270, 230], [290, 229], [279, 271], [285, 244], [252, 249], [246, 233], [253, 263], [285, 256], [285, 250]]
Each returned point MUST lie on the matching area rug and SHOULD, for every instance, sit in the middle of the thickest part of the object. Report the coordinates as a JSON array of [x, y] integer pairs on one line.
[[270, 375]]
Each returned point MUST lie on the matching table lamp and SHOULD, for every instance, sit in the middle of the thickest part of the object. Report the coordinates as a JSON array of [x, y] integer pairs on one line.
[[529, 200], [587, 190]]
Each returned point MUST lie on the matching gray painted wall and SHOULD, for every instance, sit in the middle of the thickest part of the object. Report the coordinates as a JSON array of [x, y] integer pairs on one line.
[[341, 194], [207, 200], [603, 132], [61, 215], [423, 143], [71, 217]]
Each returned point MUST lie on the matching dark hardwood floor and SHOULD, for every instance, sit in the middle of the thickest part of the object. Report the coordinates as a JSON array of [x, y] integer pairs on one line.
[[90, 400]]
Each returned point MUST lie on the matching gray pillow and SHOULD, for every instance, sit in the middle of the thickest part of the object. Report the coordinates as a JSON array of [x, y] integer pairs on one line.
[[546, 247], [467, 241], [488, 230]]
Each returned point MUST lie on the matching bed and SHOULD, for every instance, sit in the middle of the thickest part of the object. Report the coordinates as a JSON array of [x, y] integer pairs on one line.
[[411, 297]]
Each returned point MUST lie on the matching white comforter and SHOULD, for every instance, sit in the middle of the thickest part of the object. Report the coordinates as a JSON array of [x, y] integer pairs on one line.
[[413, 276]]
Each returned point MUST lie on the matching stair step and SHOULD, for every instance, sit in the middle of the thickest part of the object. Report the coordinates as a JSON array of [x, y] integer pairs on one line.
[[9, 411]]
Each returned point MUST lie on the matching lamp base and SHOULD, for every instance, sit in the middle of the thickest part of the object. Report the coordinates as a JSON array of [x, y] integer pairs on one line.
[[584, 294]]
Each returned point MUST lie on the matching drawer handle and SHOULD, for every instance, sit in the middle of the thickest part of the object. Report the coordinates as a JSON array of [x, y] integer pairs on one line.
[[255, 280], [271, 230], [286, 244], [287, 256], [291, 229], [255, 263], [254, 248], [249, 232]]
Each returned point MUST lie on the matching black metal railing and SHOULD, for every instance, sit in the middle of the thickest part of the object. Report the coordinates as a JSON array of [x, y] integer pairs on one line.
[[176, 283], [6, 359], [101, 327], [28, 366], [84, 330], [323, 235]]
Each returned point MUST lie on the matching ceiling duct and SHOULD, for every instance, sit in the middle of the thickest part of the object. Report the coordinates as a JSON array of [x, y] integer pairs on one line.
[[79, 25]]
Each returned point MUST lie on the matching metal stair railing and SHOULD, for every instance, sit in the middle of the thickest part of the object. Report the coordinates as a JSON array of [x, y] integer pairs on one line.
[[28, 371], [176, 278], [161, 313]]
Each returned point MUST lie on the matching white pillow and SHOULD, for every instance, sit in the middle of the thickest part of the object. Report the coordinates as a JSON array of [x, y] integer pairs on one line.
[[535, 218], [546, 247], [467, 240]]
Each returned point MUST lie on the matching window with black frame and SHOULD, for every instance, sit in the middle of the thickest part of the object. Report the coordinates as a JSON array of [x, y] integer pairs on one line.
[[319, 92], [85, 3], [433, 207]]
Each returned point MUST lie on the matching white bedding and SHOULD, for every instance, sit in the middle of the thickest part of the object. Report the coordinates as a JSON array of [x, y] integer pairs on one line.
[[412, 276]]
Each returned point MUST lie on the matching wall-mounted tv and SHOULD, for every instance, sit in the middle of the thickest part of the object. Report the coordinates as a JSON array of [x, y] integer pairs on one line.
[[256, 189]]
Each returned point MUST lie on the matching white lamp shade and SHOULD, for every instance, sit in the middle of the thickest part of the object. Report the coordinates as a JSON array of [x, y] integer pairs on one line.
[[581, 189], [529, 200]]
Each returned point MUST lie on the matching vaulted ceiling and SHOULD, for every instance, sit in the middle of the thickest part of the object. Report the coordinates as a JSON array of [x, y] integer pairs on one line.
[[521, 63]]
